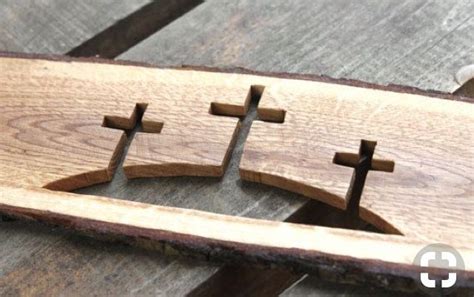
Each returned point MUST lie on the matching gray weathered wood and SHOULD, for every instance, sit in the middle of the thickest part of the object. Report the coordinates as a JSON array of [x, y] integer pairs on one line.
[[419, 43], [313, 287], [411, 42], [57, 26]]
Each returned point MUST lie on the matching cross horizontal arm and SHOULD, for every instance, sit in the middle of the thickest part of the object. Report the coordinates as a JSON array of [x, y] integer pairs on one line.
[[352, 160]]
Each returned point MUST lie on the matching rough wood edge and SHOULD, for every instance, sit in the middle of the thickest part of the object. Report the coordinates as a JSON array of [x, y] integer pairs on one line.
[[349, 268], [240, 70], [270, 255]]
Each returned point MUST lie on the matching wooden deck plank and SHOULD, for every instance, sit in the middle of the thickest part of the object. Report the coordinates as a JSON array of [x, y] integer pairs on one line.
[[87, 28], [55, 26], [312, 287], [417, 43]]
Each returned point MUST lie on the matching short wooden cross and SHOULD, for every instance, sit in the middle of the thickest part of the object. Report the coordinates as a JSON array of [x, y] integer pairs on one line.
[[362, 163]]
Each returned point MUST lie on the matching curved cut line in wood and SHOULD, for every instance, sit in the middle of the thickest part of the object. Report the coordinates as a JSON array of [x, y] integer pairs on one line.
[[87, 179], [318, 194], [464, 74], [167, 169], [310, 191], [292, 186], [162, 169], [427, 196], [378, 221], [216, 168], [181, 169], [52, 133], [71, 107], [172, 170]]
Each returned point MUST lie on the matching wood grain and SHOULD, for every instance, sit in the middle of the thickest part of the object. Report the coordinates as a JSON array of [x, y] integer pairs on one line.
[[311, 286], [113, 269], [86, 29], [55, 26], [415, 43], [431, 160], [245, 280], [54, 113], [26, 79], [301, 246], [133, 28], [38, 257]]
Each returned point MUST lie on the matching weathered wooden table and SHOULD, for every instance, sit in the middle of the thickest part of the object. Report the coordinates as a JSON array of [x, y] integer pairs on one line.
[[413, 42]]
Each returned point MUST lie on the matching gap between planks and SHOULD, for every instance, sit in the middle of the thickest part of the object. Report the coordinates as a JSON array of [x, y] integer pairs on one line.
[[133, 29]]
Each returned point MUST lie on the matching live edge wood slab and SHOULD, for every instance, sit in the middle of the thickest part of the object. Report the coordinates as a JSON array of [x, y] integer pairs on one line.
[[61, 122]]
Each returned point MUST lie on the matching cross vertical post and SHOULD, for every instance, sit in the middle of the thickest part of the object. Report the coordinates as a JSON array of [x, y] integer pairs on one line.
[[362, 163]]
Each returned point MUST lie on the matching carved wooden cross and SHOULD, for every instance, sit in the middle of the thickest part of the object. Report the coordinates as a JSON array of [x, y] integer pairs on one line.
[[362, 163]]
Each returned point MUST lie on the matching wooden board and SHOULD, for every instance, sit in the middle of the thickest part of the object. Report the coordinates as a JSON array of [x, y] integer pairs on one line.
[[415, 43], [311, 286], [432, 162], [89, 28], [52, 26], [307, 248], [82, 103], [119, 88], [116, 269]]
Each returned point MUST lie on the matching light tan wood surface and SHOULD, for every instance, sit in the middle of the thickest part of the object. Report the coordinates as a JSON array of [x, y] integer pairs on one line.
[[388, 256], [410, 42], [58, 120], [430, 193], [61, 124]]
